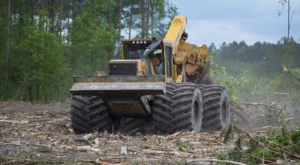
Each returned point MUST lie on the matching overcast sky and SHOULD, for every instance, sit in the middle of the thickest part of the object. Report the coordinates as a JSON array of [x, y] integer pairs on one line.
[[221, 21]]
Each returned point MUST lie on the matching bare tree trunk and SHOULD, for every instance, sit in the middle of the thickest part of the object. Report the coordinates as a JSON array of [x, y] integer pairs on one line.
[[68, 27], [30, 95], [74, 9], [21, 32], [7, 50], [2, 13], [147, 20], [110, 24], [143, 18], [120, 18], [47, 28], [286, 83], [37, 93], [42, 4], [41, 8], [130, 22], [58, 91], [52, 17], [60, 21], [60, 29], [289, 22], [152, 18], [94, 12]]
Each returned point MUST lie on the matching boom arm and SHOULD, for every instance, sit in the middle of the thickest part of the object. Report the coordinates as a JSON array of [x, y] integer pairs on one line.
[[176, 30], [196, 66]]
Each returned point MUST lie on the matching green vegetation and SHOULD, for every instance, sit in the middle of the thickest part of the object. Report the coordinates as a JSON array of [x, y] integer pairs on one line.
[[256, 68], [277, 144], [266, 78]]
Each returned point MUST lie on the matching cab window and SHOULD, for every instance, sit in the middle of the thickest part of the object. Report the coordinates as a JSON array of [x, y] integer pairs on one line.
[[134, 51]]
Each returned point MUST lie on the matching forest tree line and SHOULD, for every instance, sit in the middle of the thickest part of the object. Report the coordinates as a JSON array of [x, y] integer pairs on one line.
[[46, 42], [269, 56]]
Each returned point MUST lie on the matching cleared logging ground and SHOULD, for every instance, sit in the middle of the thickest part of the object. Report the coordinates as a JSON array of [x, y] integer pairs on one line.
[[33, 134], [42, 134], [267, 110]]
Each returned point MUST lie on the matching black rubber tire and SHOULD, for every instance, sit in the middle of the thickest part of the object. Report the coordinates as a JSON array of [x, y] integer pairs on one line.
[[216, 107], [132, 125], [179, 109], [161, 111], [187, 107], [89, 114]]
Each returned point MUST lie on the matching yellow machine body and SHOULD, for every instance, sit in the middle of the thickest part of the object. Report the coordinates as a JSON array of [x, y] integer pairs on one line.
[[188, 58], [143, 70]]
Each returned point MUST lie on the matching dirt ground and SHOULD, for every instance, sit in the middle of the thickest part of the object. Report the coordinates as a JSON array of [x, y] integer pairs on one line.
[[41, 134]]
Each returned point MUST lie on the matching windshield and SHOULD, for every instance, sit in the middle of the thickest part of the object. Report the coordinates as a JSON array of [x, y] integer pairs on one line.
[[134, 51], [154, 54]]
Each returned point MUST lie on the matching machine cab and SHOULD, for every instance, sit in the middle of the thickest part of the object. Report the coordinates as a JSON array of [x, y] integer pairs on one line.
[[149, 52]]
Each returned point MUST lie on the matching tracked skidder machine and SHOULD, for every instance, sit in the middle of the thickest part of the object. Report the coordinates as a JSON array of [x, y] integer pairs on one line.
[[162, 82]]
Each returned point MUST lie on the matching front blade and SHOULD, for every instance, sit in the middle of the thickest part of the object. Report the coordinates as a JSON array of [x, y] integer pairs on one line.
[[118, 86]]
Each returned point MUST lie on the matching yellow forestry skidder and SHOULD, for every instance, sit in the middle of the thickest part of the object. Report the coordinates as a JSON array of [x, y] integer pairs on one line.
[[162, 82]]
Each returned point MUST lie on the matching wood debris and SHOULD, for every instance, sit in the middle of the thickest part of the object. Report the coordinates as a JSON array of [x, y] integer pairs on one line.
[[37, 133]]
